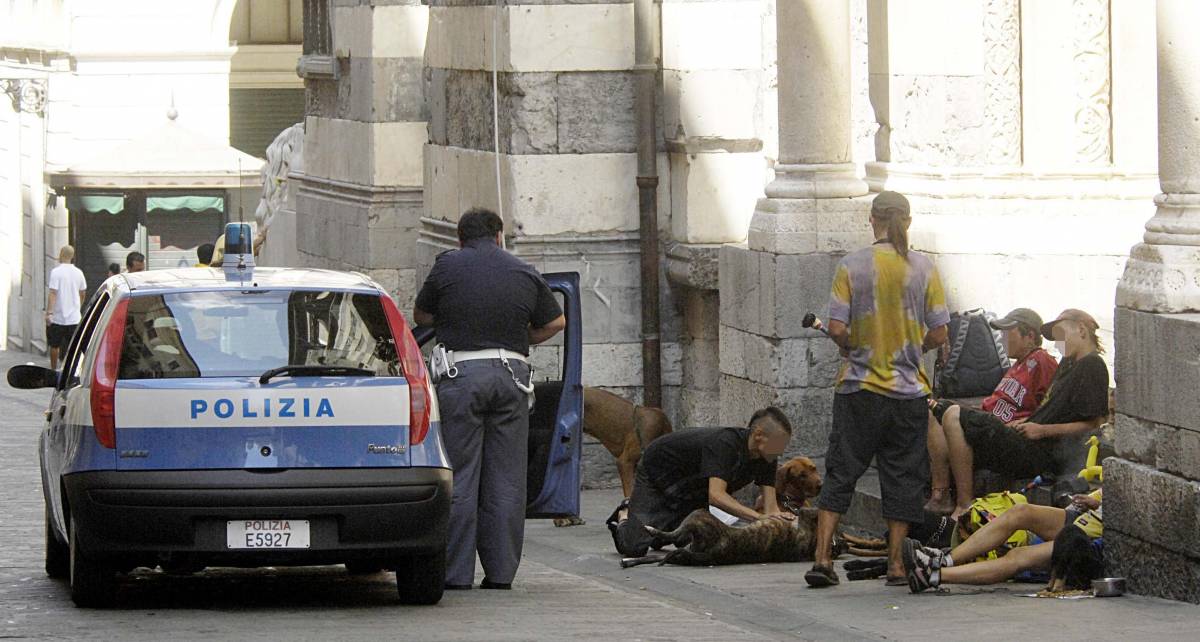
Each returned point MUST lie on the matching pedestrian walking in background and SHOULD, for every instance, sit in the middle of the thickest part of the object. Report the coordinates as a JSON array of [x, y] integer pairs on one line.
[[886, 308], [67, 288], [487, 307]]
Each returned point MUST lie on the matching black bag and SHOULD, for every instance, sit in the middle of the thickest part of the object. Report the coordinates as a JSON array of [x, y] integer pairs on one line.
[[977, 359]]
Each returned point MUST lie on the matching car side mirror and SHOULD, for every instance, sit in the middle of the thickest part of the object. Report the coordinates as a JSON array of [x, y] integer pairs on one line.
[[31, 377]]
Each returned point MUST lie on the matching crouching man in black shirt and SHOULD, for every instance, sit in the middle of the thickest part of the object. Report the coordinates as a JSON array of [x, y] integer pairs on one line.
[[699, 467]]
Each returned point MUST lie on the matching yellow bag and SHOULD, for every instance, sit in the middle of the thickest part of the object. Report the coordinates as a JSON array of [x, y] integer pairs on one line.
[[985, 509]]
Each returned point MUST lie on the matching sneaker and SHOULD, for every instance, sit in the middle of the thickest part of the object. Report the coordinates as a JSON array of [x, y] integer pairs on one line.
[[934, 558], [921, 572]]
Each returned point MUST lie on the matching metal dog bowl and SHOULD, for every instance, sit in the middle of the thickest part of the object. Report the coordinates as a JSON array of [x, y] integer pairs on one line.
[[1108, 587]]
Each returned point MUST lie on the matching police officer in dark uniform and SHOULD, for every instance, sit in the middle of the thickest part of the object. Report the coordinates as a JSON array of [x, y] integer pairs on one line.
[[488, 307]]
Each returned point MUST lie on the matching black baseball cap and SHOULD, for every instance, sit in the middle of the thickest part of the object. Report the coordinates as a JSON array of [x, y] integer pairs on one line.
[[1019, 315]]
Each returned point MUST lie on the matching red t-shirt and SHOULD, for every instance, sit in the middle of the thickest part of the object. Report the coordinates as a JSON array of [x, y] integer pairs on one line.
[[1023, 387]]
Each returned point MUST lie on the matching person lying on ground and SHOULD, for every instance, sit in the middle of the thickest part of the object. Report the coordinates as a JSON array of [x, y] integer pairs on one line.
[[1075, 406], [698, 467], [930, 567], [1015, 398]]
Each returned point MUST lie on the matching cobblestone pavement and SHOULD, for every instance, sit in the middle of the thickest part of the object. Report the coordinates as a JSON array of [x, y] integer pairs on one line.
[[569, 586]]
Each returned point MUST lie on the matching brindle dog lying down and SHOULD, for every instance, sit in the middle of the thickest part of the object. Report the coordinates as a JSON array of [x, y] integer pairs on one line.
[[704, 540]]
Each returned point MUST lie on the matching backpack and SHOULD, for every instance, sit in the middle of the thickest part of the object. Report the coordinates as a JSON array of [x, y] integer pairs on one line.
[[985, 509], [977, 359]]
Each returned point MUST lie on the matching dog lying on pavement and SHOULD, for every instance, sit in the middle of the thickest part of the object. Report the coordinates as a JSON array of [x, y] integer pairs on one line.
[[704, 540]]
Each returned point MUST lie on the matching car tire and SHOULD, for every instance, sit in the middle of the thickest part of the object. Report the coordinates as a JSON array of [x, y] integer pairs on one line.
[[364, 567], [421, 579], [58, 555], [93, 584]]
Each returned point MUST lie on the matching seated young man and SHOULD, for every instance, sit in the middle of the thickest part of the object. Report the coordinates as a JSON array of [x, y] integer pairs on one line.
[[930, 567], [1075, 405], [1017, 396], [695, 468]]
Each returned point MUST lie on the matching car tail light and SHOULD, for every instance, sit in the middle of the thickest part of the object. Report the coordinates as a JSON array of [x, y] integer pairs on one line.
[[414, 370], [104, 377]]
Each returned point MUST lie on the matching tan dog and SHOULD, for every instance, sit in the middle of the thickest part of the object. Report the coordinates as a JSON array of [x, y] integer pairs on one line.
[[623, 427]]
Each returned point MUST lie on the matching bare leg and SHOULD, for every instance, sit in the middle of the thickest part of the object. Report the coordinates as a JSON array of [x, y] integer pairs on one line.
[[827, 522], [940, 501], [998, 570], [961, 460], [1045, 521], [897, 531]]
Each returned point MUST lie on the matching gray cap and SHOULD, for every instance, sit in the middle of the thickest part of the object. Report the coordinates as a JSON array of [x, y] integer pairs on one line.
[[1019, 315]]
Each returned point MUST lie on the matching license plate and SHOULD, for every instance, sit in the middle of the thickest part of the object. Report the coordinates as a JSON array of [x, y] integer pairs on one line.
[[267, 533]]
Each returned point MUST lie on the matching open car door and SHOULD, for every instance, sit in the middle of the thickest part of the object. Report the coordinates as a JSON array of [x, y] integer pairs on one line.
[[556, 422]]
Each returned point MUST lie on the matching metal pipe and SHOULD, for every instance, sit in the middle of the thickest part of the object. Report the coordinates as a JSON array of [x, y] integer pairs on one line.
[[646, 68]]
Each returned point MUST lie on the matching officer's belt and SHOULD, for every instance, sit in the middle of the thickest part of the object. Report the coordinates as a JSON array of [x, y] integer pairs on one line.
[[459, 356]]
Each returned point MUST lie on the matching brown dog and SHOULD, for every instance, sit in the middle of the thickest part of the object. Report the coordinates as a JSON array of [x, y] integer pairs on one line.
[[623, 427], [796, 482]]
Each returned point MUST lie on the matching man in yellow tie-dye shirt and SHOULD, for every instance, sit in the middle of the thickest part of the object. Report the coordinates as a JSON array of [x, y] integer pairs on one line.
[[887, 308]]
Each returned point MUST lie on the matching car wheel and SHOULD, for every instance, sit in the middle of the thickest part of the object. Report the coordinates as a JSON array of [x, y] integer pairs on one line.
[[58, 556], [364, 567], [420, 579], [93, 584]]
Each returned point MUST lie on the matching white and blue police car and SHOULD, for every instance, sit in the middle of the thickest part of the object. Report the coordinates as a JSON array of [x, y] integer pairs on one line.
[[242, 416]]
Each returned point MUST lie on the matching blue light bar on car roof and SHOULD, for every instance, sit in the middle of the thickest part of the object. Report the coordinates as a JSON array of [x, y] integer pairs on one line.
[[239, 251]]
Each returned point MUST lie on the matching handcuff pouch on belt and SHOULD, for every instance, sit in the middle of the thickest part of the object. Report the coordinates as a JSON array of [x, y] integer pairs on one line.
[[440, 365]]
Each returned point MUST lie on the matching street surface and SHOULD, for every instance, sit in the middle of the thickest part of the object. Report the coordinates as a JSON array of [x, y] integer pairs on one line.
[[570, 587]]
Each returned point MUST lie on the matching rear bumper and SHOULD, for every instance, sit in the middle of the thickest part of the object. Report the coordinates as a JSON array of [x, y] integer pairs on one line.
[[371, 513]]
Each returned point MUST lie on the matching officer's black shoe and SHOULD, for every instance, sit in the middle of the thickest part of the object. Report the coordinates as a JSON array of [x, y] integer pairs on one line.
[[488, 584], [457, 587]]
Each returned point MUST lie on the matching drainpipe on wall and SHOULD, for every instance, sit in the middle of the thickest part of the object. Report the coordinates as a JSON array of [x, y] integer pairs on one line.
[[646, 68]]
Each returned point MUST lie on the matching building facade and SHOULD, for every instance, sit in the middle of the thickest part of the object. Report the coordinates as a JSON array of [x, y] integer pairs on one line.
[[115, 127], [1038, 141]]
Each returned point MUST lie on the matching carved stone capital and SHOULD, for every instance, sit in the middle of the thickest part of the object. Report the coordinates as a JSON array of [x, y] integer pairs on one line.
[[28, 95], [1163, 272]]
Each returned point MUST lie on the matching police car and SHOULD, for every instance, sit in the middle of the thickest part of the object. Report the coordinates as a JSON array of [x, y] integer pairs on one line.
[[242, 417]]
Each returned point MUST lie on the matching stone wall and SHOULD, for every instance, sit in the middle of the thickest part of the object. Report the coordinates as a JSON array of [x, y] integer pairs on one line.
[[567, 164], [1152, 531]]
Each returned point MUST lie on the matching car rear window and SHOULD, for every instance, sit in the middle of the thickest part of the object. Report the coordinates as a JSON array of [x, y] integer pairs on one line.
[[245, 333]]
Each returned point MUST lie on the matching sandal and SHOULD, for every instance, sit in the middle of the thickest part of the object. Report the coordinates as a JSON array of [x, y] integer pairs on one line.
[[865, 569], [821, 576]]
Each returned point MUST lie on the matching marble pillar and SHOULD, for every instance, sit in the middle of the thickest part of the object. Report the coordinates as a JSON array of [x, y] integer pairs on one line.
[[1163, 272], [1152, 486]]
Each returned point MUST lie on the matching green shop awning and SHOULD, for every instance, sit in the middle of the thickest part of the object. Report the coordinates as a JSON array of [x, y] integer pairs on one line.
[[96, 203], [192, 203]]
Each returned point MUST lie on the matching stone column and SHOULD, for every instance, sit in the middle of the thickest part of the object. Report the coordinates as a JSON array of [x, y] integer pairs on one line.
[[1152, 498], [359, 200], [1163, 272], [712, 130], [808, 220], [814, 125]]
